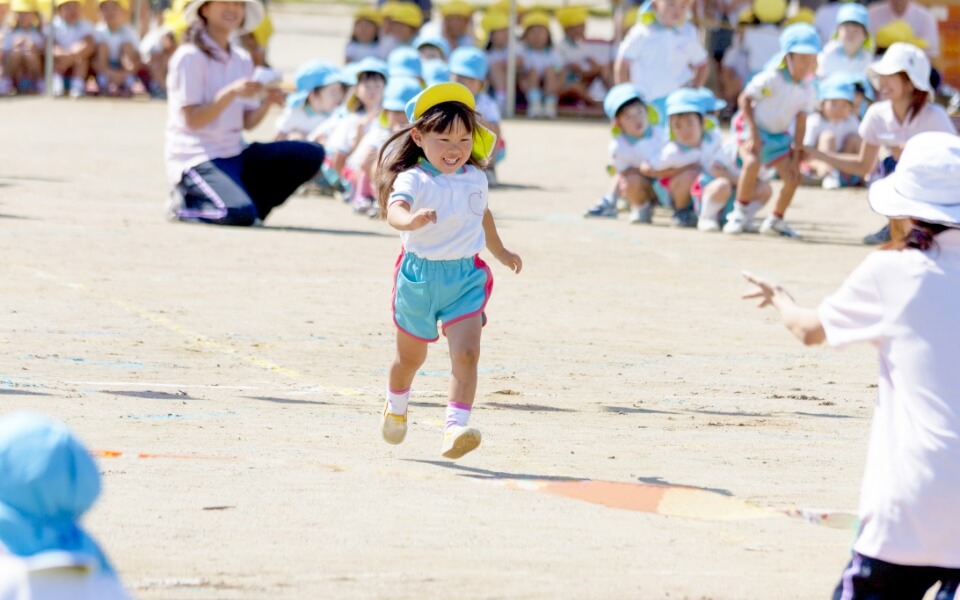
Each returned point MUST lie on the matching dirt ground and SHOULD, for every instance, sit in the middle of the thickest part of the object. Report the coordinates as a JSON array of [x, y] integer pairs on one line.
[[231, 381]]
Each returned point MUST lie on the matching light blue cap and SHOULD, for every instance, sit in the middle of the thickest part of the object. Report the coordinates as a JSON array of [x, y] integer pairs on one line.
[[435, 41], [404, 62], [860, 83], [836, 88], [370, 65], [710, 101], [314, 74], [685, 100], [48, 480], [618, 96], [852, 12], [800, 38], [471, 62], [399, 91], [435, 71]]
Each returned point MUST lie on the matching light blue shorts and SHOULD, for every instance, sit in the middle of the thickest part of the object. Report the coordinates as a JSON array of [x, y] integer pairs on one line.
[[427, 291], [775, 145]]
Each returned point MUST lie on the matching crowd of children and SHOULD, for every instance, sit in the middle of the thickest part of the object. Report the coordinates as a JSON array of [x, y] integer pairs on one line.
[[804, 112]]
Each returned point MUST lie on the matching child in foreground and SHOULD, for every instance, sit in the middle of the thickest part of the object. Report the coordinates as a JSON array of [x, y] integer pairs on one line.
[[902, 300], [431, 188]]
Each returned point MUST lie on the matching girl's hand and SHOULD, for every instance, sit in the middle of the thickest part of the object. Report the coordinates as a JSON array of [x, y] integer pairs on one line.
[[753, 145], [511, 260], [245, 88], [765, 290], [422, 217]]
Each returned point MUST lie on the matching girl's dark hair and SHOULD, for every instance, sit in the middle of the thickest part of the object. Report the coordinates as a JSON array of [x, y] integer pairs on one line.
[[400, 153], [627, 105], [920, 237], [918, 100], [193, 35]]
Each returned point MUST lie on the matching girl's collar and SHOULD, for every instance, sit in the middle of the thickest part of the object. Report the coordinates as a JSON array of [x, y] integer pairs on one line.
[[216, 50], [644, 136], [431, 170]]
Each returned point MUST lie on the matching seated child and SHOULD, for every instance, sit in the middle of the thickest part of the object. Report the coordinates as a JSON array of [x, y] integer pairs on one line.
[[319, 92], [757, 39], [365, 39], [495, 25], [635, 145], [401, 23], [690, 152], [456, 24], [537, 64], [432, 47], [73, 48], [774, 104], [23, 48], [579, 70], [159, 44], [718, 200], [850, 52], [469, 67], [118, 60], [833, 129]]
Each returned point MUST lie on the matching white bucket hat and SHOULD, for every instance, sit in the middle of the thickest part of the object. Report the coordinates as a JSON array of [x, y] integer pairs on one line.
[[904, 58], [925, 184], [252, 15]]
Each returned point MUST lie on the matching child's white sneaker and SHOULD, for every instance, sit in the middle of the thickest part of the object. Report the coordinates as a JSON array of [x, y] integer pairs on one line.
[[550, 107], [59, 87], [831, 181], [458, 440], [708, 225], [534, 109], [778, 227], [393, 427]]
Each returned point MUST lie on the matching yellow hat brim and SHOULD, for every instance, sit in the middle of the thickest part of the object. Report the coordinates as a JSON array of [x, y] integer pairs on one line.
[[456, 9], [368, 13], [443, 92], [534, 19]]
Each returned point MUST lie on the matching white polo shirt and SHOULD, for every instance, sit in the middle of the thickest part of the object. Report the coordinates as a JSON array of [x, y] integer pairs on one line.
[[300, 119], [11, 35], [904, 303], [834, 60], [355, 51], [628, 152], [66, 35], [881, 127], [728, 157], [116, 39], [662, 59], [778, 99], [539, 60], [460, 200], [817, 125], [675, 154]]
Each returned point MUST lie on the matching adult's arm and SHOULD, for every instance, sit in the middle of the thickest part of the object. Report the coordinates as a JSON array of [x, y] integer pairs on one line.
[[803, 323]]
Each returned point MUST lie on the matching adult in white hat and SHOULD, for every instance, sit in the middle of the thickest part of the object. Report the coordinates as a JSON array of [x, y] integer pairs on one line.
[[902, 78], [903, 301], [213, 94]]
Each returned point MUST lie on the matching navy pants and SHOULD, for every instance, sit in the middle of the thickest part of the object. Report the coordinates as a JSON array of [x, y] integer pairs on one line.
[[868, 578], [241, 189]]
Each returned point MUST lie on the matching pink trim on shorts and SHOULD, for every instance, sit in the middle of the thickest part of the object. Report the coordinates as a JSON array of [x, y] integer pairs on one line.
[[738, 128], [487, 290]]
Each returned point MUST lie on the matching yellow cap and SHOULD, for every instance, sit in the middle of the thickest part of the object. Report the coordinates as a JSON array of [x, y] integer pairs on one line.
[[456, 8], [174, 22], [534, 18], [407, 14], [630, 17], [804, 15], [263, 31], [898, 31], [368, 13], [746, 16], [124, 4], [494, 20], [24, 6], [770, 11], [571, 16], [60, 3], [484, 140], [504, 7]]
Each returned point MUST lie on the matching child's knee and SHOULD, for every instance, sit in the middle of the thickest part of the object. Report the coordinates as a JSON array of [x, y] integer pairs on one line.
[[468, 356]]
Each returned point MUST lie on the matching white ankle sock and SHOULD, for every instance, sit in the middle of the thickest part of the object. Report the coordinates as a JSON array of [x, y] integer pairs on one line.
[[457, 414], [397, 401]]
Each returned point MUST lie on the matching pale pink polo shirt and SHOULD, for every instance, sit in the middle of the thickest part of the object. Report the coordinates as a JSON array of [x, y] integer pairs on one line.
[[193, 79]]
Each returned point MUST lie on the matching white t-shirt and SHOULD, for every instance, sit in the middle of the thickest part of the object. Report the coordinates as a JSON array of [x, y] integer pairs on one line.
[[496, 55], [825, 20], [347, 131], [18, 582], [728, 157], [116, 39], [539, 60], [10, 36], [835, 61], [778, 100], [299, 119], [920, 19], [488, 109], [661, 60], [880, 126], [460, 200], [817, 124], [904, 303], [675, 154], [356, 51], [65, 35], [629, 153]]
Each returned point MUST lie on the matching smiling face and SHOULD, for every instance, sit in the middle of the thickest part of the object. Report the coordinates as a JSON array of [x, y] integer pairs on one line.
[[446, 150], [687, 128], [223, 16], [896, 87]]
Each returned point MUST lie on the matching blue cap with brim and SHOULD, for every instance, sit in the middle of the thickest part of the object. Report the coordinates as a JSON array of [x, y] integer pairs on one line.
[[433, 40], [399, 91], [370, 65], [404, 62], [710, 101], [836, 89], [800, 38], [469, 62], [852, 12], [315, 74], [435, 71], [685, 100], [618, 96]]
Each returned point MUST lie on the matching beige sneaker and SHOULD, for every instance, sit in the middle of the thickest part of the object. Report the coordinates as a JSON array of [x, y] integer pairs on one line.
[[457, 441], [393, 427]]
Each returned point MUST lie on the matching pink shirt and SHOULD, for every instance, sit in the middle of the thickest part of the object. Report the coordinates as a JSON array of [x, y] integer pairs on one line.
[[194, 79], [920, 19]]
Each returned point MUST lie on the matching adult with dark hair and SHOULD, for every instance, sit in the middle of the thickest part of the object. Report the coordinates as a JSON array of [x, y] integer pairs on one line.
[[903, 301], [902, 78], [212, 98]]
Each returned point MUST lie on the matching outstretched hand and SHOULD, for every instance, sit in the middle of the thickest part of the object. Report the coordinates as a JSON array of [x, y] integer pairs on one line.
[[511, 260], [765, 290], [422, 217]]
